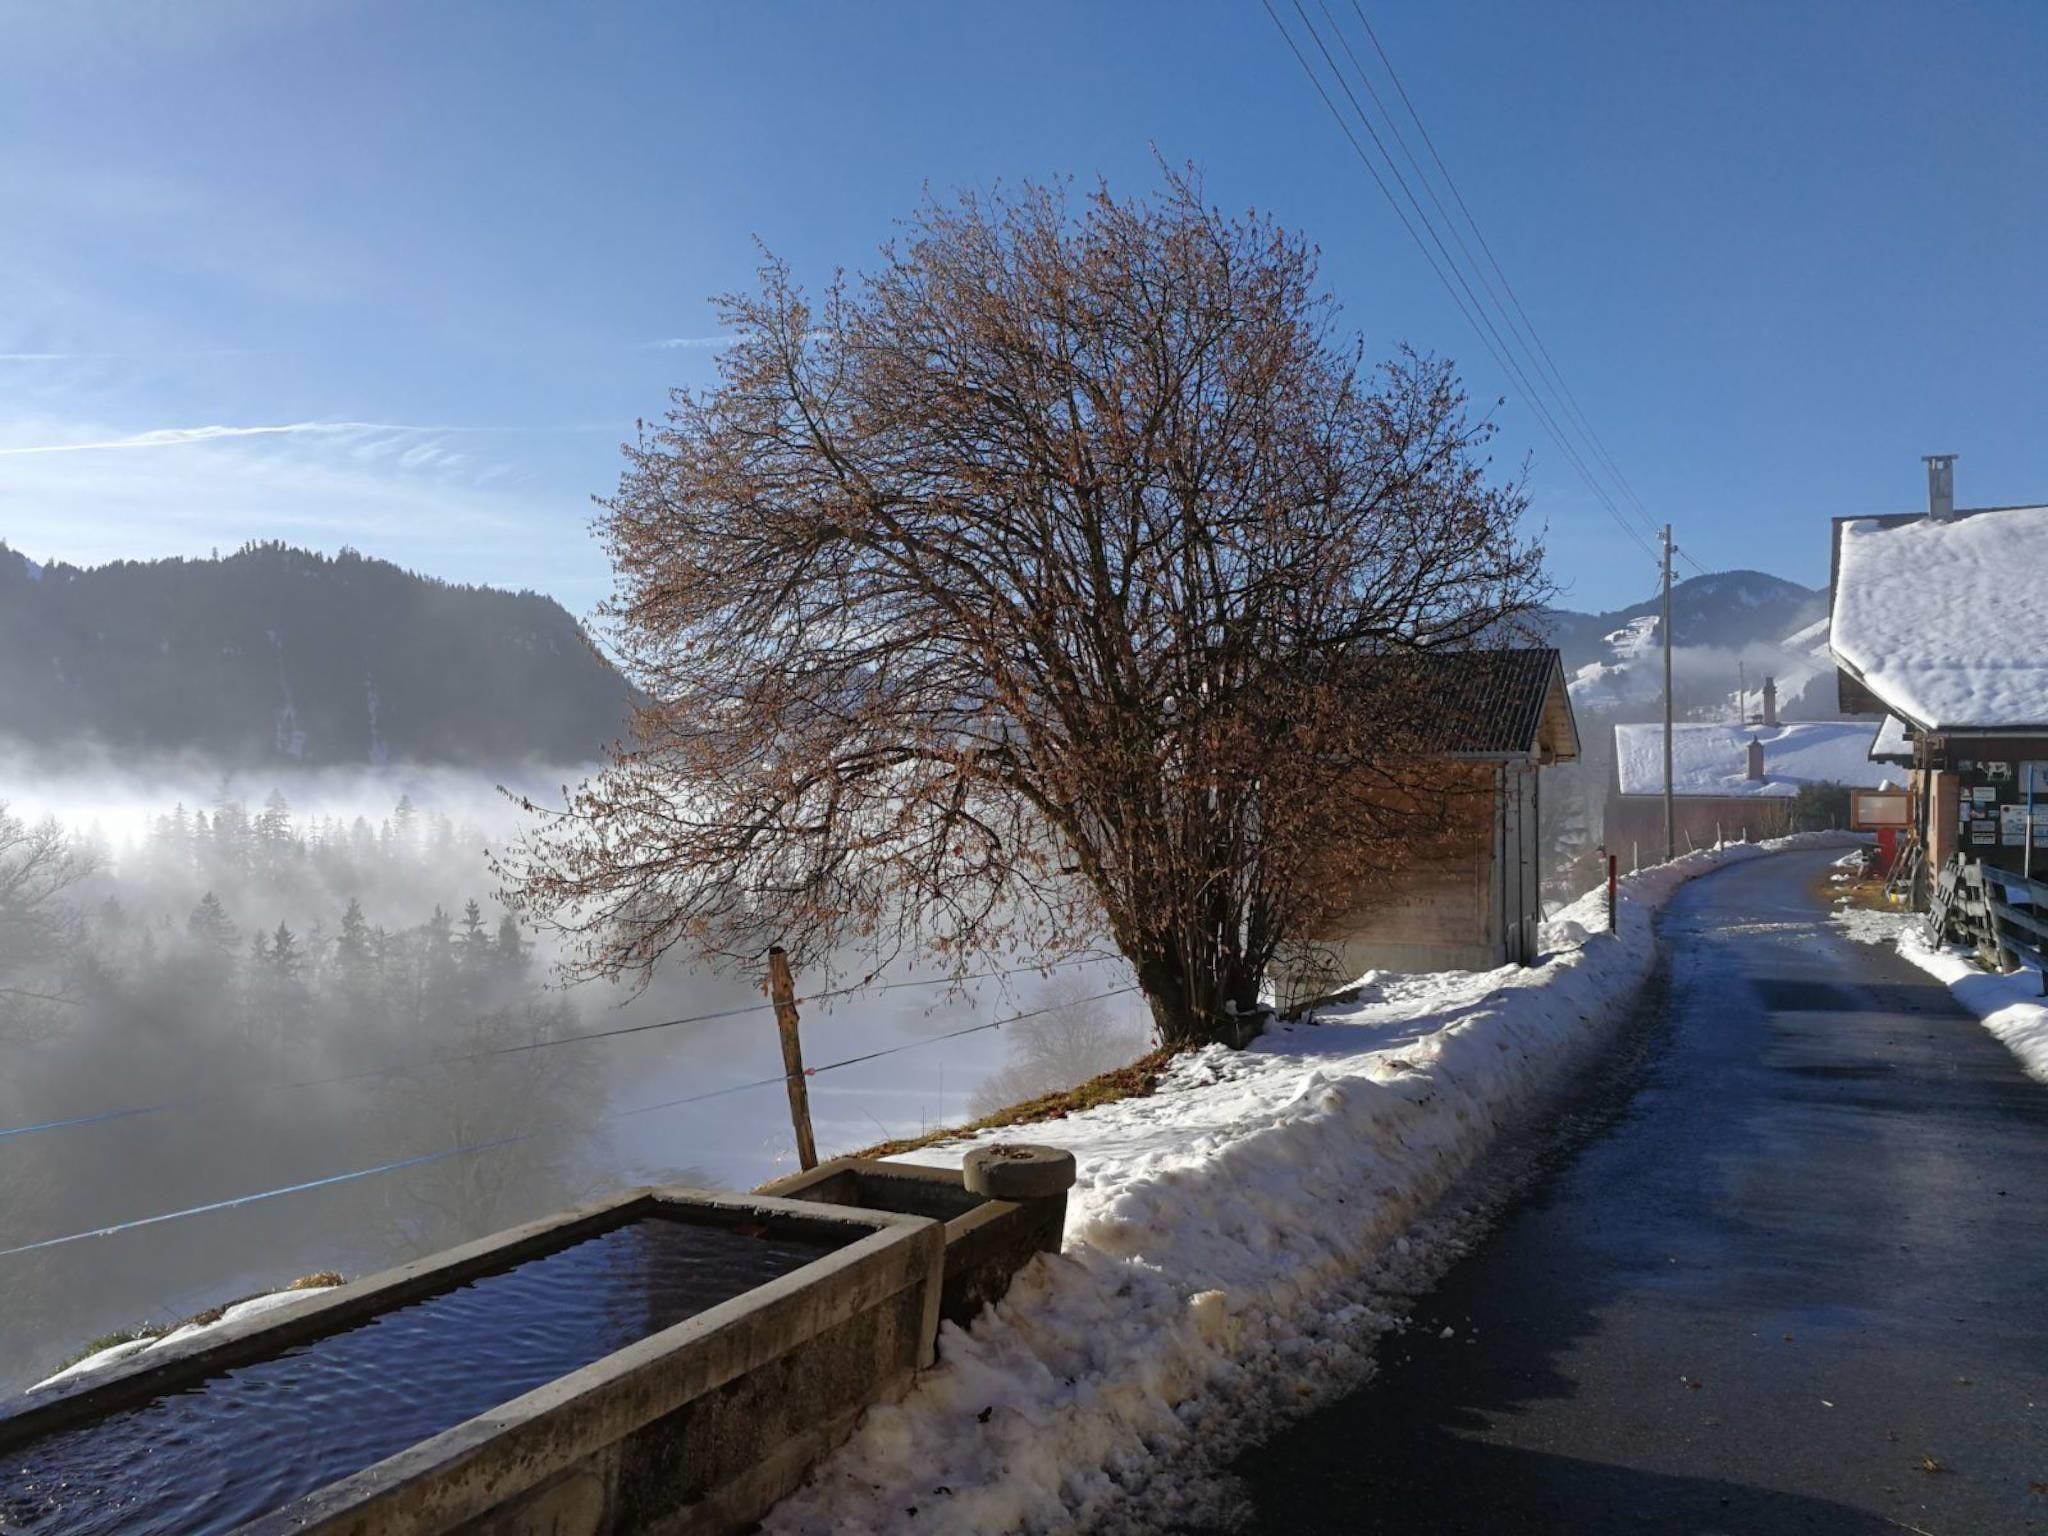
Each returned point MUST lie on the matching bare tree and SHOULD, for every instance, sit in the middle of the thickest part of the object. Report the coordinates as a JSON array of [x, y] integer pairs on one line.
[[38, 925], [1029, 588]]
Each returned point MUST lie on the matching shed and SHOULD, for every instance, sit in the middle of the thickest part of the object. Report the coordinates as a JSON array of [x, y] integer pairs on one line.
[[1497, 719]]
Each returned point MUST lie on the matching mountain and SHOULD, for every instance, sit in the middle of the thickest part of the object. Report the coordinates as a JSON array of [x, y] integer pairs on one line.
[[1728, 629], [279, 654]]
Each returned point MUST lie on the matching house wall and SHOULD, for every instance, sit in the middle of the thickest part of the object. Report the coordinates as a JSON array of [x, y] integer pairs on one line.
[[1942, 794], [1471, 903], [1635, 823], [1983, 781]]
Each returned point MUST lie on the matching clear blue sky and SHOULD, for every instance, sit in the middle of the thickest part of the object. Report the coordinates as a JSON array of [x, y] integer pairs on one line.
[[1778, 251]]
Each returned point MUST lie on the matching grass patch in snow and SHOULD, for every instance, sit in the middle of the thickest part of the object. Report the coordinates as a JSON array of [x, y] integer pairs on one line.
[[107, 1341], [1139, 1080]]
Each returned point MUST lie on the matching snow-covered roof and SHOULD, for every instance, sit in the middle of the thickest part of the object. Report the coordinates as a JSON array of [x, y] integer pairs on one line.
[[1891, 741], [1943, 622], [1714, 759]]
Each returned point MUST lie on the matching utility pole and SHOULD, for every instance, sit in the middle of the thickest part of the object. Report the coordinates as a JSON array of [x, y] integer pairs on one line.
[[1670, 836]]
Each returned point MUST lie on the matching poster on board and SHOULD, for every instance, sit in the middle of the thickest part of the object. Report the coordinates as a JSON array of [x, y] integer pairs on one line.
[[2012, 826], [1984, 832]]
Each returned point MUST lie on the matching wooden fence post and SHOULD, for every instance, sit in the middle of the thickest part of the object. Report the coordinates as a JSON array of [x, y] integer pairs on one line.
[[1611, 927], [783, 991]]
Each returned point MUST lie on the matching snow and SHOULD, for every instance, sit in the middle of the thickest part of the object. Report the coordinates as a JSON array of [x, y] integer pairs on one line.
[[1942, 620], [2011, 1007], [1601, 684], [1714, 759], [255, 1306], [1891, 740], [1868, 925], [1209, 1280]]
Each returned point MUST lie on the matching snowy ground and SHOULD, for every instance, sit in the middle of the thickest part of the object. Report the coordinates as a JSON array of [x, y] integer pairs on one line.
[[2011, 1007], [1224, 1239]]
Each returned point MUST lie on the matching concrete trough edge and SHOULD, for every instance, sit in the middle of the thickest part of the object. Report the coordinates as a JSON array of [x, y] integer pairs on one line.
[[477, 1465], [153, 1373]]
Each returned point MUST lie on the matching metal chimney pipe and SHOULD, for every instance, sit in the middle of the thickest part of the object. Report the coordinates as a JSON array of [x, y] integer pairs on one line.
[[1941, 486]]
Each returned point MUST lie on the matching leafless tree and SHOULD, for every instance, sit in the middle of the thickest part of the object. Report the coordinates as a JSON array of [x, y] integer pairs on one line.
[[38, 925], [1026, 589]]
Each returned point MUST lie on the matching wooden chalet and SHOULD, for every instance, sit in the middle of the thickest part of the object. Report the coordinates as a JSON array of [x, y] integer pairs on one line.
[[1937, 623]]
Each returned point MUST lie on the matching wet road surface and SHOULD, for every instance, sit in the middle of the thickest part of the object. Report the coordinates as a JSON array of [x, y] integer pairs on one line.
[[1798, 1284]]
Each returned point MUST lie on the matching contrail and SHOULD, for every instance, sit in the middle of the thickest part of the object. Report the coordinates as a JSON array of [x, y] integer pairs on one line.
[[176, 437]]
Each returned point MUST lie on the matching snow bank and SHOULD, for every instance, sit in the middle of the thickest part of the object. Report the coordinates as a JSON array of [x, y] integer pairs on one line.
[[1215, 1228], [2011, 1007], [255, 1306], [1939, 618]]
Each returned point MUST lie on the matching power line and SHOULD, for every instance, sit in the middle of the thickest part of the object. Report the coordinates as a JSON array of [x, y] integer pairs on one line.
[[420, 1159], [1514, 300], [1475, 314], [373, 1074]]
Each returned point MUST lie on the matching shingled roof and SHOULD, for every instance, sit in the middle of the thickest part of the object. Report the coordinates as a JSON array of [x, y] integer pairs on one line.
[[1492, 703]]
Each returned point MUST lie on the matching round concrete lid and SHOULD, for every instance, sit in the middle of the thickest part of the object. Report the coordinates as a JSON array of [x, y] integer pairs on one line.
[[1016, 1170]]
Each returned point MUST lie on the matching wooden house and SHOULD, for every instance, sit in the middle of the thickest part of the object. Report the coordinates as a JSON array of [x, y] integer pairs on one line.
[[1471, 900], [1938, 623], [1730, 782]]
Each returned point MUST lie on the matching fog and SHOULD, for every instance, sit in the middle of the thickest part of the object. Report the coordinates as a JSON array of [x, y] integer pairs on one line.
[[297, 974]]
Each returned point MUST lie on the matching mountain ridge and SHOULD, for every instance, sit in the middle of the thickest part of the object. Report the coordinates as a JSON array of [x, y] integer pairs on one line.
[[280, 654]]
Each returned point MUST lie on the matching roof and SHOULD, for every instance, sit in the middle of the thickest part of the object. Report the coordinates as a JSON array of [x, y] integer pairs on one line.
[[1714, 759], [1891, 744], [1941, 621], [1504, 703]]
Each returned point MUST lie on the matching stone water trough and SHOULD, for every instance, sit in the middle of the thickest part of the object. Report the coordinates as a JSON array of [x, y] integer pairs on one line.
[[668, 1360]]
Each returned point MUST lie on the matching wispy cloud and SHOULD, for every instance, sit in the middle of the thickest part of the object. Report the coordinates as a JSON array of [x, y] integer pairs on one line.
[[689, 344], [98, 357], [178, 437], [409, 497]]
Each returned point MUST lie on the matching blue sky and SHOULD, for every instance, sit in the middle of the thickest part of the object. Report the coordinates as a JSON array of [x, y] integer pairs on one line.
[[1777, 251]]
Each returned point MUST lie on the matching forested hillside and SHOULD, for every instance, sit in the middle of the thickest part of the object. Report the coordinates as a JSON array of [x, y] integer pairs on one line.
[[279, 654]]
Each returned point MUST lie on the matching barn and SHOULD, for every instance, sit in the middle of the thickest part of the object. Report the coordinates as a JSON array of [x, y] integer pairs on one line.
[[1471, 902]]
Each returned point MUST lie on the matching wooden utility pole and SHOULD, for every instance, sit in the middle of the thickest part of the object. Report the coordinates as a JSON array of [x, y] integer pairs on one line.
[[783, 991], [1670, 838]]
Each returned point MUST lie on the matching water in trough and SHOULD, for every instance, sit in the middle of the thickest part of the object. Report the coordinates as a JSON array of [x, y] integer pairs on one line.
[[251, 1439]]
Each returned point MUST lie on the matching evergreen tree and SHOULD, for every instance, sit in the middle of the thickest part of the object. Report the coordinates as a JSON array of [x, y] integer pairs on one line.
[[474, 946], [210, 928], [511, 950]]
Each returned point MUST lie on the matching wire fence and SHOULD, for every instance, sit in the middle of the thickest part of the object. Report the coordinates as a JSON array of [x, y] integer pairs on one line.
[[420, 1159], [373, 1074]]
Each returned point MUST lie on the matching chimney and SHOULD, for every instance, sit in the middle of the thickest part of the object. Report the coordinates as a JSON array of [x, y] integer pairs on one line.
[[1770, 700], [1941, 486], [1756, 759]]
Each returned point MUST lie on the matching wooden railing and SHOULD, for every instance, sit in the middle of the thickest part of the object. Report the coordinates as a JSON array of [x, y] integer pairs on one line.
[[2002, 916], [2019, 919]]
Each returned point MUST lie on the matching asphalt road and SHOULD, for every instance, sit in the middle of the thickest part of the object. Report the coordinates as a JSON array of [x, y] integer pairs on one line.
[[1799, 1283]]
